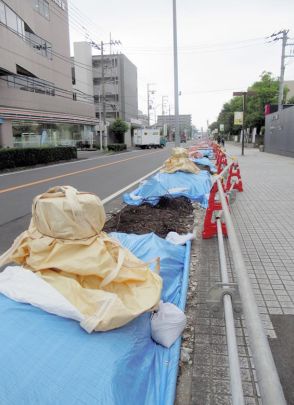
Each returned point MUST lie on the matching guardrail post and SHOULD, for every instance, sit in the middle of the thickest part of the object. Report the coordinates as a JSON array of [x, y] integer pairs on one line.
[[268, 379]]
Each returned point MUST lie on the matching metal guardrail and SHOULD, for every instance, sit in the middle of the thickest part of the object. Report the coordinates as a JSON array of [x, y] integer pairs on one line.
[[268, 379], [234, 363]]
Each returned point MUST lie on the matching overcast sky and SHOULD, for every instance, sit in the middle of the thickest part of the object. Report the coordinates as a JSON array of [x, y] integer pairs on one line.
[[222, 45]]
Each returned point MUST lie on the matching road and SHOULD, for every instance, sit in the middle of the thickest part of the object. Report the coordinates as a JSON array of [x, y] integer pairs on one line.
[[102, 175]]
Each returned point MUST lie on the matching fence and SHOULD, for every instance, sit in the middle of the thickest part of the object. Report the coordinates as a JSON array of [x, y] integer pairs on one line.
[[218, 222]]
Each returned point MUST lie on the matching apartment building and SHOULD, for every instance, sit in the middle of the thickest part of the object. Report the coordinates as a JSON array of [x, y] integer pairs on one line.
[[185, 123], [119, 79], [121, 89], [37, 102]]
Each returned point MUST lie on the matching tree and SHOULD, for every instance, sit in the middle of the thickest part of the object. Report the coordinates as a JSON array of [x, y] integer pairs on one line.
[[118, 128], [290, 100], [226, 116], [214, 125], [266, 92]]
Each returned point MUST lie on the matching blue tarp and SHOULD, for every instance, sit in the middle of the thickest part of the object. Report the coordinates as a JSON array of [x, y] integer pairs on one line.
[[196, 187], [205, 162], [206, 153], [46, 359]]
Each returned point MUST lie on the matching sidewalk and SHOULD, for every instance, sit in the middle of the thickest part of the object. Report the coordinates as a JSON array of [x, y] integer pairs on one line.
[[264, 219]]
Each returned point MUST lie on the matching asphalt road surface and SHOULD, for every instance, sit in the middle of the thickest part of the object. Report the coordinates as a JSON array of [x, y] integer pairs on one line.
[[102, 175]]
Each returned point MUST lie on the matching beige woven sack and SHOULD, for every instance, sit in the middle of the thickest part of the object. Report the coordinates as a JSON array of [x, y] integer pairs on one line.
[[66, 247], [179, 161]]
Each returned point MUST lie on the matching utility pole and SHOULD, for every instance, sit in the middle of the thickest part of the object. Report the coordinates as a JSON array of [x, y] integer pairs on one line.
[[176, 86], [148, 100], [163, 98], [103, 94], [101, 48], [281, 84], [282, 35]]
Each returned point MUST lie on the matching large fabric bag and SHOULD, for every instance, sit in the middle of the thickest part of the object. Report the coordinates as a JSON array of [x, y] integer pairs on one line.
[[65, 246], [179, 161]]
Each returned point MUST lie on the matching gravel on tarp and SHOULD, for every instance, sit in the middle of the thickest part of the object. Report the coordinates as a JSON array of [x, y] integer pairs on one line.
[[170, 214]]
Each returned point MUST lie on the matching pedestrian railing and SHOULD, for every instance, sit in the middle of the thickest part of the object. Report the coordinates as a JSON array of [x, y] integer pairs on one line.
[[234, 296]]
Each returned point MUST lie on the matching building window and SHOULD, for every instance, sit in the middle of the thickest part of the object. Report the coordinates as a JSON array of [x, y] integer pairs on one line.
[[2, 13], [42, 6], [11, 19], [20, 26], [96, 63]]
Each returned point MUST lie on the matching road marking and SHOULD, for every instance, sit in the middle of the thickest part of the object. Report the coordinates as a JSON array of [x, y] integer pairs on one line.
[[6, 190], [122, 190], [65, 163]]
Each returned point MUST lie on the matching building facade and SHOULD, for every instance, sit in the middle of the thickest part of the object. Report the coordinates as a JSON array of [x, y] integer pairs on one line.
[[185, 121], [279, 129], [37, 102], [121, 88], [143, 118]]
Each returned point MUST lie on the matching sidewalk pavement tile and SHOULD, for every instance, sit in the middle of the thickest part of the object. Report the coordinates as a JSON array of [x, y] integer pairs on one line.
[[263, 216]]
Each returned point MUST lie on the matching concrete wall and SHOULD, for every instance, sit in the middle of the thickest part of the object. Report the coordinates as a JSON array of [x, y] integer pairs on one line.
[[129, 93], [279, 133], [6, 139], [128, 136], [83, 67]]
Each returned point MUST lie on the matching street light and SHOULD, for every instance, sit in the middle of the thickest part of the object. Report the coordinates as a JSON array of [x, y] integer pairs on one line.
[[148, 100], [244, 94], [176, 89]]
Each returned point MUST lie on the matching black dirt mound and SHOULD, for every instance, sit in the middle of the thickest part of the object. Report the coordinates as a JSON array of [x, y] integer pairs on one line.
[[170, 214]]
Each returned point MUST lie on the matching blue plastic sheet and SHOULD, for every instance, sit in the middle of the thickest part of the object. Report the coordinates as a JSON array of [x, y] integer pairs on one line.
[[205, 162], [46, 359], [196, 187], [206, 153]]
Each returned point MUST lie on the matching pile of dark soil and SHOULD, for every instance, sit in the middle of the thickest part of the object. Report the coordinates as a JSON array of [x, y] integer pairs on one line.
[[170, 214], [203, 167]]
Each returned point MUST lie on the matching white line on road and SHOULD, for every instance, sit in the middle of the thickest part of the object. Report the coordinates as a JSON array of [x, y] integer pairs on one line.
[[122, 190]]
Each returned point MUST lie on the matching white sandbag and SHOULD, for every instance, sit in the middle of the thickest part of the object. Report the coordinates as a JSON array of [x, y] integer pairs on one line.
[[167, 324]]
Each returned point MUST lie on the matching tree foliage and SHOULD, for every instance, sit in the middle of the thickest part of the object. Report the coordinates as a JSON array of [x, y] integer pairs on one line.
[[266, 92], [119, 127], [290, 100]]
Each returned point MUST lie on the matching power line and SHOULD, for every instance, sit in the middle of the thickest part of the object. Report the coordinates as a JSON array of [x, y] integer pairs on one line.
[[196, 51], [79, 13], [200, 45]]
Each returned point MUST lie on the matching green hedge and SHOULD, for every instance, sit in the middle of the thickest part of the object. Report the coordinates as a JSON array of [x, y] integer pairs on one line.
[[15, 157], [116, 147]]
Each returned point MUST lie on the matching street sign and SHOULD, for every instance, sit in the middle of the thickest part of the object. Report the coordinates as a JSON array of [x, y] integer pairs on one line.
[[239, 93], [244, 93], [238, 118], [221, 127]]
